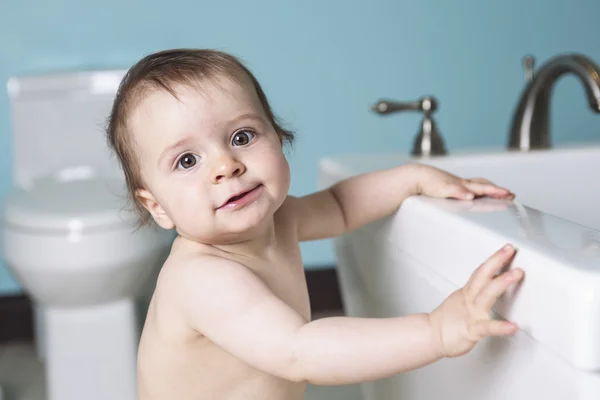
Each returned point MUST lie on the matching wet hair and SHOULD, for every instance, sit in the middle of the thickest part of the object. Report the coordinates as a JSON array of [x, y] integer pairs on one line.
[[166, 70]]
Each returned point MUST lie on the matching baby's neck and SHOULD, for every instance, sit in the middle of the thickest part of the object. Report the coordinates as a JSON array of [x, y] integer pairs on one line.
[[257, 246]]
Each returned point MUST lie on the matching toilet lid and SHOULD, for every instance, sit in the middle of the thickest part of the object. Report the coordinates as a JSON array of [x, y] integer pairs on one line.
[[62, 202]]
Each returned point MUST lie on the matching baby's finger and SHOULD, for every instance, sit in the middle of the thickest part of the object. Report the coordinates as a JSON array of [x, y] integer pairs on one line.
[[490, 293], [460, 192], [486, 271], [481, 180], [485, 328], [485, 181], [487, 189]]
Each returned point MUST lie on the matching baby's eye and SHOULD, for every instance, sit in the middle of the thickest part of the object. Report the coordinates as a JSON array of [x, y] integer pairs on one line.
[[242, 138], [187, 161]]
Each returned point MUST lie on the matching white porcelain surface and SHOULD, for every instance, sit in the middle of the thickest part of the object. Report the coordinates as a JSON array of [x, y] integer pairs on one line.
[[84, 269], [412, 260], [74, 200], [87, 248], [91, 352], [65, 231], [68, 239], [59, 122]]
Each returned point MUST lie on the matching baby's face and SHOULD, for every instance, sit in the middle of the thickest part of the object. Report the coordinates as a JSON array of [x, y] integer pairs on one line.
[[198, 152]]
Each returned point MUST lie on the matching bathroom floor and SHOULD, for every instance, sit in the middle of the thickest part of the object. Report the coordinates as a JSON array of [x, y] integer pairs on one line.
[[22, 377]]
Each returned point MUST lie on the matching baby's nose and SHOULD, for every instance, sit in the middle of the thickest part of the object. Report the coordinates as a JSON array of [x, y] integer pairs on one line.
[[227, 168]]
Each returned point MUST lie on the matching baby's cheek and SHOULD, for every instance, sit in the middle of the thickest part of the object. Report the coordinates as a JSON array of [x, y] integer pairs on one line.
[[279, 177], [184, 204], [195, 218], [283, 169]]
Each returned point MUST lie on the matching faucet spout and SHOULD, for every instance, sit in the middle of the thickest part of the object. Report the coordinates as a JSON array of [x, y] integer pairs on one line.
[[530, 128]]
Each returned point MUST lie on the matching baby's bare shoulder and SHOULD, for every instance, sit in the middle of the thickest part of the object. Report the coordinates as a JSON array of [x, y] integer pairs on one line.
[[200, 275], [192, 285], [182, 270]]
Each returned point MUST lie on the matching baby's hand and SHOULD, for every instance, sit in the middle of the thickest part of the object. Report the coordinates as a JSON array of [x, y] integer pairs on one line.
[[435, 182], [464, 317]]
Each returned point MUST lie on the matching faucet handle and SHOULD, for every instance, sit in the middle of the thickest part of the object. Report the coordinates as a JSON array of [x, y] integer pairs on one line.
[[528, 66], [426, 104], [429, 141]]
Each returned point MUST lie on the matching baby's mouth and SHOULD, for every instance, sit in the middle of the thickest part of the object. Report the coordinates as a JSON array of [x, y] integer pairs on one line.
[[239, 196], [234, 198]]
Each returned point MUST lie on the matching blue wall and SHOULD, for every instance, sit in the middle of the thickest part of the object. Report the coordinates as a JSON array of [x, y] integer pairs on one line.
[[322, 63]]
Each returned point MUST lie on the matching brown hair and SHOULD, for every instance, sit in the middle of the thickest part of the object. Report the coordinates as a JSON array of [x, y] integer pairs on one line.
[[163, 71]]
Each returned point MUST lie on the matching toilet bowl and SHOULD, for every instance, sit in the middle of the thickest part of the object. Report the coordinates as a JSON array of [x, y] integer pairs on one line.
[[74, 249]]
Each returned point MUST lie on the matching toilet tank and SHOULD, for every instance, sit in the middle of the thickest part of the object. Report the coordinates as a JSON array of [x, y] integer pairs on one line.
[[58, 122]]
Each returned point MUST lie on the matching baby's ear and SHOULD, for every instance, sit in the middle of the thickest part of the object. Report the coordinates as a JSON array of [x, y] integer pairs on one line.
[[149, 202]]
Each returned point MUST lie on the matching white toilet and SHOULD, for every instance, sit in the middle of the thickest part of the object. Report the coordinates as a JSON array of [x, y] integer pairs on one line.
[[69, 241]]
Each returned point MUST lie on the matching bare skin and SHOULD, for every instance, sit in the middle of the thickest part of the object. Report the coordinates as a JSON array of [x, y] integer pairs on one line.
[[230, 315], [202, 369]]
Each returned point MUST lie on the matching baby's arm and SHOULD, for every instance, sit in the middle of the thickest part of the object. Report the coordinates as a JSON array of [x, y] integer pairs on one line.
[[362, 199], [230, 305], [353, 202]]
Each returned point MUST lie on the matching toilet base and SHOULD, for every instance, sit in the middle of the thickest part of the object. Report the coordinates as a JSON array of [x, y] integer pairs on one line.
[[38, 332], [90, 352]]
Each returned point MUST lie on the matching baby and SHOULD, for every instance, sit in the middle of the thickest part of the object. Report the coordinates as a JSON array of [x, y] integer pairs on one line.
[[202, 153]]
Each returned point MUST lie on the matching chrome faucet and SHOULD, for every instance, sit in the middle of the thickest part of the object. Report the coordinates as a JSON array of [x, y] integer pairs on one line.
[[530, 127], [428, 141]]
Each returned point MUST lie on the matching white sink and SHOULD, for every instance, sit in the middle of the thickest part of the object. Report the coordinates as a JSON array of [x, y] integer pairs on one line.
[[411, 261]]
